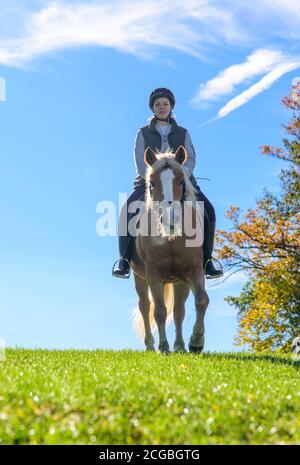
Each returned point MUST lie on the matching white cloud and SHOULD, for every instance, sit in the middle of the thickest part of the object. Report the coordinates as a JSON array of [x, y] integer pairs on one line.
[[258, 87], [33, 28], [272, 63], [258, 62], [278, 17], [129, 26], [2, 89]]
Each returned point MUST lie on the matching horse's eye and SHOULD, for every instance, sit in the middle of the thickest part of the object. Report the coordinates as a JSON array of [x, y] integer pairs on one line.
[[181, 183], [152, 185]]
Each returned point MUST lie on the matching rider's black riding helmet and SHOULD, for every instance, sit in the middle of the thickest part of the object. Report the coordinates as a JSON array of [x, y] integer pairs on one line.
[[161, 92]]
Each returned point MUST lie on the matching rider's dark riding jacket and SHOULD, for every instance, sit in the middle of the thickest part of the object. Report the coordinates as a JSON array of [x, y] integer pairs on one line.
[[162, 139]]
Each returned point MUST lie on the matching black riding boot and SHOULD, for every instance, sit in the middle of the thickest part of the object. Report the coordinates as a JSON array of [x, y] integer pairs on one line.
[[208, 246], [121, 268]]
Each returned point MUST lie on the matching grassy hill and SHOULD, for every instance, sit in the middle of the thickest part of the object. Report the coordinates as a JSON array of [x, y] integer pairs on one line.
[[129, 397]]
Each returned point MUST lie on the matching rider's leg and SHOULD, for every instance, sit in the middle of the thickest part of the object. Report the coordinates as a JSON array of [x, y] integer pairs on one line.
[[121, 268], [209, 233]]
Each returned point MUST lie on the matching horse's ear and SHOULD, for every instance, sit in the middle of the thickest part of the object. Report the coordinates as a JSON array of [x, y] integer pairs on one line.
[[149, 156], [180, 155]]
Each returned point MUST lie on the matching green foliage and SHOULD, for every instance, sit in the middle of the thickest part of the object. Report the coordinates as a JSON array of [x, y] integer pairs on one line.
[[266, 244]]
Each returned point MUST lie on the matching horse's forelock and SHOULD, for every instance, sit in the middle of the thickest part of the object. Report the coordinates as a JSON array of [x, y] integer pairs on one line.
[[167, 158], [164, 160]]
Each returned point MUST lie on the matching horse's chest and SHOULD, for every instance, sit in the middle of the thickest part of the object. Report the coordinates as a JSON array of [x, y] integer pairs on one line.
[[168, 265]]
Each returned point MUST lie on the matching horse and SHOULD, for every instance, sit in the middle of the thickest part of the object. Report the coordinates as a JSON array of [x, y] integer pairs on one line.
[[165, 269]]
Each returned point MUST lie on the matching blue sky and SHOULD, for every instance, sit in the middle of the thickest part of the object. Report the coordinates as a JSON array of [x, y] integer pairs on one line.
[[78, 75]]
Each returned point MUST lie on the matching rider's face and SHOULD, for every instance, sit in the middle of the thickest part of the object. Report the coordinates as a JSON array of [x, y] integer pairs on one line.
[[162, 107]]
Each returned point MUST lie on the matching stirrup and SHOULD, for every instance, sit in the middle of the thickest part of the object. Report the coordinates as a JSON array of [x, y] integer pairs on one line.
[[126, 276], [218, 269]]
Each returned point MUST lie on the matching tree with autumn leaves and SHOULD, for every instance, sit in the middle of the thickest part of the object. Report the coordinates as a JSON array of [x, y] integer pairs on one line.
[[265, 243]]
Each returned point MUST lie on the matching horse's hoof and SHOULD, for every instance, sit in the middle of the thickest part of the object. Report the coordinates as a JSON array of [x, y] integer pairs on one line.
[[164, 351], [195, 350], [180, 350], [150, 349]]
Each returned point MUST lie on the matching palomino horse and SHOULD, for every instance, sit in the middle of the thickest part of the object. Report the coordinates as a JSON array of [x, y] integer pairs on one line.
[[165, 268]]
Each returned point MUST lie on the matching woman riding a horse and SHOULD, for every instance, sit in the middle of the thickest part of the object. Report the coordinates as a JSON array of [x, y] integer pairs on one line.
[[163, 134]]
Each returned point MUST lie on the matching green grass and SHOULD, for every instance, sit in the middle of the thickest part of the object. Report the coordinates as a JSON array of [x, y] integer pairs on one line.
[[128, 397]]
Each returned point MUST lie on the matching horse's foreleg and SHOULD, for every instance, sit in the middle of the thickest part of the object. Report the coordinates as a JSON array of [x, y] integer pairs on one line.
[[144, 307], [196, 343], [160, 313], [181, 293]]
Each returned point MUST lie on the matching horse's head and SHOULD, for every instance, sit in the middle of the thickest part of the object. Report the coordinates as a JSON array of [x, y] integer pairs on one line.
[[167, 186], [165, 178]]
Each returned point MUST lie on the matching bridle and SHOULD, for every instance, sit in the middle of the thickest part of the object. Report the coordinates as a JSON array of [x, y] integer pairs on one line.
[[183, 197]]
